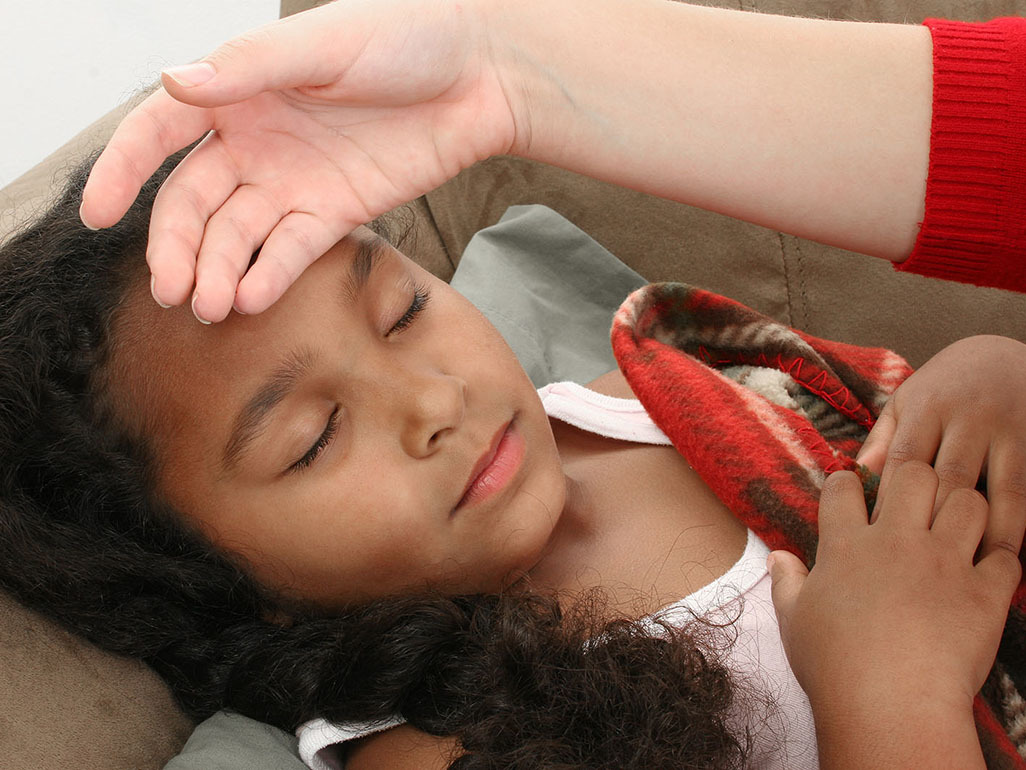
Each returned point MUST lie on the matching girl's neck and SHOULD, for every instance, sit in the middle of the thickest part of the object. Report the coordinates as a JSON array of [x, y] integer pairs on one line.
[[637, 521]]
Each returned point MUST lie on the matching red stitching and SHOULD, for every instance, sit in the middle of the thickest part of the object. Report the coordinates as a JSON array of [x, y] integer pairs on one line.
[[841, 399]]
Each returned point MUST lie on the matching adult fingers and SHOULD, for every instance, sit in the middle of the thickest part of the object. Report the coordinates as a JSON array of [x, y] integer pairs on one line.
[[874, 449], [308, 49], [186, 201], [1006, 493], [232, 235], [157, 128], [293, 245], [916, 438]]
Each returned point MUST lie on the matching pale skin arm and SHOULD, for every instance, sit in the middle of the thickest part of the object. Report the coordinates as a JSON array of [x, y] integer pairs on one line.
[[329, 118], [817, 128]]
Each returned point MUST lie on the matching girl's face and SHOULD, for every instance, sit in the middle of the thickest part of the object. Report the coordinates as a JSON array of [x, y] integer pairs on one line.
[[333, 441]]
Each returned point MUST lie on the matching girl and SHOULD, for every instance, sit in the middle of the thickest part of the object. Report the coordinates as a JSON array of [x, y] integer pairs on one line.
[[354, 507]]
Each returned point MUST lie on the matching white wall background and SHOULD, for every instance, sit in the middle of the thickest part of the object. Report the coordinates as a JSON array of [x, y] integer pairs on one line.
[[64, 63]]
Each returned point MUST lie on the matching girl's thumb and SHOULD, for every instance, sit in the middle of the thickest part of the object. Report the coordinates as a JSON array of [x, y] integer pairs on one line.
[[788, 574], [874, 449]]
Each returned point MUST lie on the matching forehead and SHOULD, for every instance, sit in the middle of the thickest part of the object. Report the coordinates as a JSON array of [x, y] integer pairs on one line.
[[170, 374]]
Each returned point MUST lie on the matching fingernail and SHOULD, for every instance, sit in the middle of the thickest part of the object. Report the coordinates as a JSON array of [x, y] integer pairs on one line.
[[190, 75], [201, 320], [153, 292], [88, 226], [235, 307]]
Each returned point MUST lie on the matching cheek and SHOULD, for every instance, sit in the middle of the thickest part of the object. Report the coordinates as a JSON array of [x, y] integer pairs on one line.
[[372, 515]]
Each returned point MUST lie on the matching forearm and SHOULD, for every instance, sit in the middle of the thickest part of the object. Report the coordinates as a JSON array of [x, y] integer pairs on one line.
[[817, 128]]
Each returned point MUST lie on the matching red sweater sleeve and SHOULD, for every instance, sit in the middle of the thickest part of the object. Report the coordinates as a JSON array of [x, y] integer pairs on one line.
[[974, 225]]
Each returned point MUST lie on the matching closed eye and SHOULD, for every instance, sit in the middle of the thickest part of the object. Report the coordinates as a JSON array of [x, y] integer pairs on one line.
[[330, 429], [421, 295]]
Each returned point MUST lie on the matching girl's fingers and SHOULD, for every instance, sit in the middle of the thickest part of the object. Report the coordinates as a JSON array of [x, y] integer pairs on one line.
[[231, 237], [294, 244], [197, 188], [1001, 570], [961, 520], [157, 128], [960, 459], [916, 438], [842, 505], [874, 449], [1006, 493], [787, 576], [910, 497]]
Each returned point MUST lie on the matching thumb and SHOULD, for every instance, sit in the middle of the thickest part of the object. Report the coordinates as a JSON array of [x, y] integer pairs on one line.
[[788, 574], [874, 449], [302, 50]]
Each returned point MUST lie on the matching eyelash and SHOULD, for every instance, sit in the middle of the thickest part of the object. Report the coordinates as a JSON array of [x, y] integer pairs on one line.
[[325, 438], [420, 301]]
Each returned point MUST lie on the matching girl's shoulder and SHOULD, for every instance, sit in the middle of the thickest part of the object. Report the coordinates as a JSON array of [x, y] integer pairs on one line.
[[611, 384], [400, 748]]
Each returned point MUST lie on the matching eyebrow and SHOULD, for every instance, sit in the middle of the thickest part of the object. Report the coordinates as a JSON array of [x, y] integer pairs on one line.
[[368, 256], [252, 418]]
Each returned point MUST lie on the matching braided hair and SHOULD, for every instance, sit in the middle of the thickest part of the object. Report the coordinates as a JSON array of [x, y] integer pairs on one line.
[[521, 680]]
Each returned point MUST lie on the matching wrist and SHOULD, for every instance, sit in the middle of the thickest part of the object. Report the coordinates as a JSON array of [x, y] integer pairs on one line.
[[901, 721], [571, 69], [532, 83]]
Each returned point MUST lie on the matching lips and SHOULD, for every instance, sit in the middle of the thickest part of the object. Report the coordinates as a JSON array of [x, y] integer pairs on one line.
[[496, 467]]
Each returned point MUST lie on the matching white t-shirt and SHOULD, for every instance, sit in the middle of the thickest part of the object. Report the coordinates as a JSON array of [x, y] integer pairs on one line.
[[783, 732]]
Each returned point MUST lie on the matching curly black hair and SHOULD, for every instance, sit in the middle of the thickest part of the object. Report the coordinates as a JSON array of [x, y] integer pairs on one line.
[[521, 680]]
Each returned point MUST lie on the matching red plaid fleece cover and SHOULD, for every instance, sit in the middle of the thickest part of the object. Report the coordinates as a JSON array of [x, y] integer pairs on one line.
[[764, 413]]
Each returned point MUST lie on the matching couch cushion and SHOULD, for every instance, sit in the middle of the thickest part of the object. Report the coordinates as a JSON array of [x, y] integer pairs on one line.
[[63, 703]]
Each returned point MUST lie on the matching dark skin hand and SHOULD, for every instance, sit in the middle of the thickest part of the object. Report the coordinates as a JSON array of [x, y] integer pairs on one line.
[[894, 630], [964, 412]]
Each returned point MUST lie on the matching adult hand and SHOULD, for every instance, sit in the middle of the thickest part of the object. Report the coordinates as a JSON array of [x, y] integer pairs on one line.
[[964, 412], [894, 630], [328, 118], [318, 123]]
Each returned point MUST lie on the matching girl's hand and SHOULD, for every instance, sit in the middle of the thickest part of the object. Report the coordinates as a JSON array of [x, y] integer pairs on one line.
[[320, 122], [894, 630], [964, 412]]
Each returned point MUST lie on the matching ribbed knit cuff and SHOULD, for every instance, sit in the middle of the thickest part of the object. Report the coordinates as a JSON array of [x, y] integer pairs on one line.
[[974, 225]]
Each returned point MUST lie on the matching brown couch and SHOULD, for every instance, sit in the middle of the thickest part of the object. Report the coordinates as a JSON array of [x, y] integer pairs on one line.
[[65, 704]]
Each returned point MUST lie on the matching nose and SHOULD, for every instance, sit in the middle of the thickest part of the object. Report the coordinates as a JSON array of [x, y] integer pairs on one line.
[[433, 407]]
